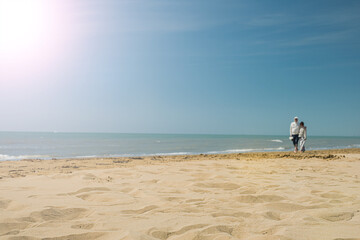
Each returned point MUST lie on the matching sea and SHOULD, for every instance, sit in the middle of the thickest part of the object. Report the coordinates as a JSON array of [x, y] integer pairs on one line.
[[56, 145]]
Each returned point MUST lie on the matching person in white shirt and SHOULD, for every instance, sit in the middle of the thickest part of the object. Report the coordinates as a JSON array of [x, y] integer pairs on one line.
[[294, 133], [302, 136]]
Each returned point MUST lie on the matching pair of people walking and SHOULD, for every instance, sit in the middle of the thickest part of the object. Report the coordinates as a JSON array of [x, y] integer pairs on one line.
[[298, 135]]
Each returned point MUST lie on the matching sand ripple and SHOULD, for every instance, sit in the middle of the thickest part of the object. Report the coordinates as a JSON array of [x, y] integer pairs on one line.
[[258, 199]]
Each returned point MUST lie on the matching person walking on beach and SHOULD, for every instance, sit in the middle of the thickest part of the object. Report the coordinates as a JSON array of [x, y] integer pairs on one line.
[[294, 133], [302, 136]]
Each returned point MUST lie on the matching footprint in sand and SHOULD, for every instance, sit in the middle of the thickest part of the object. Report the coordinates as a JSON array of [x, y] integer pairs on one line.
[[82, 236], [272, 215], [186, 170], [335, 217], [12, 228], [106, 198], [225, 186], [236, 214], [127, 190], [26, 219], [259, 198], [59, 214], [4, 204], [166, 234], [140, 211], [202, 175], [89, 176], [332, 195], [83, 226], [285, 207], [195, 200], [85, 190], [171, 199], [248, 191], [217, 229]]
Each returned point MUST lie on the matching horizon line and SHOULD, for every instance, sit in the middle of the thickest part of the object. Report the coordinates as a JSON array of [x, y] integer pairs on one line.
[[218, 134]]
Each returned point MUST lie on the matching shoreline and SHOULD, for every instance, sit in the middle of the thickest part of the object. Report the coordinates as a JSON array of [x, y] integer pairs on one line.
[[20, 168], [77, 145], [225, 152]]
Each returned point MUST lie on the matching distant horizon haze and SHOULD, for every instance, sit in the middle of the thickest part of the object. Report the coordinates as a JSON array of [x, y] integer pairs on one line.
[[152, 133]]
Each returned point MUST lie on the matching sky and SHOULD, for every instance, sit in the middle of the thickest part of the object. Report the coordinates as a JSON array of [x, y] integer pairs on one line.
[[190, 66]]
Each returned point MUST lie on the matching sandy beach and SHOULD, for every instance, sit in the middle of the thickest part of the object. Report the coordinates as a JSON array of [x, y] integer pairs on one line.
[[277, 195]]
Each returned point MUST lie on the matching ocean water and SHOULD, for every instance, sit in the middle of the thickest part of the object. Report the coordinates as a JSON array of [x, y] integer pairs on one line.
[[26, 145]]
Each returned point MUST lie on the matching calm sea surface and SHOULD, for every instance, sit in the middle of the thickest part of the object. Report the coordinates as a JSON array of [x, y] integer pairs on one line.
[[23, 145]]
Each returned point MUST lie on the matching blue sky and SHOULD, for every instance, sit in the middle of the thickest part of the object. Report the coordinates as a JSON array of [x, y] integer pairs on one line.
[[223, 67]]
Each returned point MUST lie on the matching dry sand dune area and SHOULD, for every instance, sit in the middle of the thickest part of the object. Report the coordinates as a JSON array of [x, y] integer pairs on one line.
[[237, 196]]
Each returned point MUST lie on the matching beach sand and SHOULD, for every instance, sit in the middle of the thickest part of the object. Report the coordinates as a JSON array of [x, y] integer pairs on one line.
[[279, 195]]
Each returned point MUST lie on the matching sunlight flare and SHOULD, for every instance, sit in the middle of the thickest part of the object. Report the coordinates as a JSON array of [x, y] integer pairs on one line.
[[32, 34]]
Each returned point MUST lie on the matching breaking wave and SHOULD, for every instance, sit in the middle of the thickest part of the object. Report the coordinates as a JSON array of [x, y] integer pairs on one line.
[[247, 150], [4, 157]]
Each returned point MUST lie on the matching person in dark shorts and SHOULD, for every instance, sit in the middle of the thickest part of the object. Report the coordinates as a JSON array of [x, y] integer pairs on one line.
[[294, 133]]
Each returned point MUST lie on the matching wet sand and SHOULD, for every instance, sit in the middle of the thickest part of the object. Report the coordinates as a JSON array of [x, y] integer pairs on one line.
[[277, 195]]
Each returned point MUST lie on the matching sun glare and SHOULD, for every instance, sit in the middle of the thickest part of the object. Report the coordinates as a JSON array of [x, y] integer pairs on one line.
[[31, 34], [21, 23]]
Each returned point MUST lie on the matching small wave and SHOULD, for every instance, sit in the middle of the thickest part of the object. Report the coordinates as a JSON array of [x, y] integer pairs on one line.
[[276, 140], [171, 154], [84, 156], [247, 150], [4, 157], [147, 154], [335, 147]]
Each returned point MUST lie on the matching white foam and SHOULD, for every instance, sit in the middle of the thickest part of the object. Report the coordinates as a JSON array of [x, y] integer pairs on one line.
[[147, 154], [247, 150], [276, 140], [171, 154], [4, 157], [85, 156], [334, 147]]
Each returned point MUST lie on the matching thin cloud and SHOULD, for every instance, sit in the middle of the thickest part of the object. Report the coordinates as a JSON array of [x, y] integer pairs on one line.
[[325, 66], [324, 38]]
